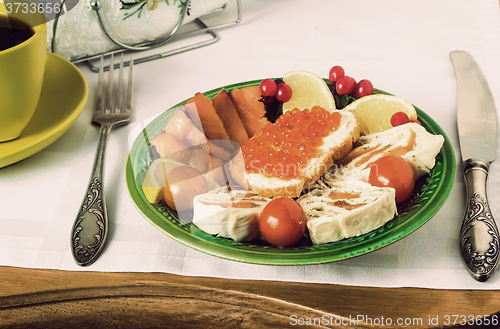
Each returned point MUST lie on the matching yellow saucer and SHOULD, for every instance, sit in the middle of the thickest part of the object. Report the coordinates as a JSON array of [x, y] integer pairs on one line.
[[63, 98]]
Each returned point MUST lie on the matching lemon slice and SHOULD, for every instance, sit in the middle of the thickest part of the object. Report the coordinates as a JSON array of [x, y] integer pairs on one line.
[[374, 112], [156, 178], [308, 90]]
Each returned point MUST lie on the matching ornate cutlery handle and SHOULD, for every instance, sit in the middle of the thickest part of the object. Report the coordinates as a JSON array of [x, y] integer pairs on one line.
[[91, 225], [479, 236]]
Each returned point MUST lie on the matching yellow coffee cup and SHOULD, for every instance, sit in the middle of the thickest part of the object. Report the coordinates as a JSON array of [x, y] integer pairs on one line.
[[21, 71]]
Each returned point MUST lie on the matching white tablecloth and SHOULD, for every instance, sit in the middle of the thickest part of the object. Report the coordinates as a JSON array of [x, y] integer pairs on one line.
[[401, 46]]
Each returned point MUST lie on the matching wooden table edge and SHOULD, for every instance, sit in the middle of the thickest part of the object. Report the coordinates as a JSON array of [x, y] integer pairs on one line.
[[42, 297]]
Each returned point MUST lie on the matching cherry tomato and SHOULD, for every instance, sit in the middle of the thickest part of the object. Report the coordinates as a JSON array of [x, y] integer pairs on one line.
[[335, 73], [282, 222], [415, 121], [345, 85], [268, 88], [183, 184], [363, 88], [399, 118], [393, 171], [283, 92]]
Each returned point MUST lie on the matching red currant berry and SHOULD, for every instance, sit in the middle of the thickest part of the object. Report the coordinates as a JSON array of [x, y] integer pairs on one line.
[[363, 88], [345, 85], [399, 118], [268, 88], [283, 92], [335, 73]]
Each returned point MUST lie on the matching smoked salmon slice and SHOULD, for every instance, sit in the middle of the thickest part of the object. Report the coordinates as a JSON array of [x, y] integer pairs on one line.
[[211, 124], [183, 130], [167, 146], [251, 110], [229, 116]]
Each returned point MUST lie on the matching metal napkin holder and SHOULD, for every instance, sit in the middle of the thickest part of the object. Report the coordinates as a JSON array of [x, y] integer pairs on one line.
[[202, 28]]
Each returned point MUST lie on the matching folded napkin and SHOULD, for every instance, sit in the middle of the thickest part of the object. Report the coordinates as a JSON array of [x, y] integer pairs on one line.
[[79, 33]]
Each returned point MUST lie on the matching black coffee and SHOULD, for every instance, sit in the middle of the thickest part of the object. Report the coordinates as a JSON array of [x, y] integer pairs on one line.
[[13, 32]]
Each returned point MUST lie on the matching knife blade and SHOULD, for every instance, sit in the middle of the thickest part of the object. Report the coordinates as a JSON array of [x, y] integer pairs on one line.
[[477, 131]]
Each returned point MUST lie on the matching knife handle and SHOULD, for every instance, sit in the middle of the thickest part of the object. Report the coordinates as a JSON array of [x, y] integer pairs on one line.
[[479, 238]]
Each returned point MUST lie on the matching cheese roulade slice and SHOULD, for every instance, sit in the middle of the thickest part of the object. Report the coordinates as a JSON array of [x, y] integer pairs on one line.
[[338, 213], [230, 214], [411, 141]]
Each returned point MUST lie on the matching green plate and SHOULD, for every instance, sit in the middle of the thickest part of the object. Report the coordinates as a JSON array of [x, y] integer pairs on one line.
[[431, 191]]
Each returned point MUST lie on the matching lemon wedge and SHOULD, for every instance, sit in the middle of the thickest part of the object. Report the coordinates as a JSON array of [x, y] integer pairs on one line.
[[308, 90], [374, 112], [156, 178]]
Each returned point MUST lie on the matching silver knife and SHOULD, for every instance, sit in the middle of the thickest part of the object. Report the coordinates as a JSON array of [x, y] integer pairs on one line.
[[477, 130]]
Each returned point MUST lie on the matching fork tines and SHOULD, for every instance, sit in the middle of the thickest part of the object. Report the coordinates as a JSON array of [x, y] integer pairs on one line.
[[122, 102]]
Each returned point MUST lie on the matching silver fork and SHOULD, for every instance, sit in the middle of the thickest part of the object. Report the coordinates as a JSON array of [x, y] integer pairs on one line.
[[90, 228]]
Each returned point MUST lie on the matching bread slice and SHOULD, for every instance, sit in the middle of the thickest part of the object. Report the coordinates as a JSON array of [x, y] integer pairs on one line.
[[338, 213], [229, 214], [335, 146]]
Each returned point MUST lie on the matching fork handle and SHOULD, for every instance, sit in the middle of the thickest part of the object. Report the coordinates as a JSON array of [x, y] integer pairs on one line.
[[91, 225]]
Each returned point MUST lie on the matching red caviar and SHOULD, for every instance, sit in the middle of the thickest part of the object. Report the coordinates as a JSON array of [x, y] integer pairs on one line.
[[282, 149]]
